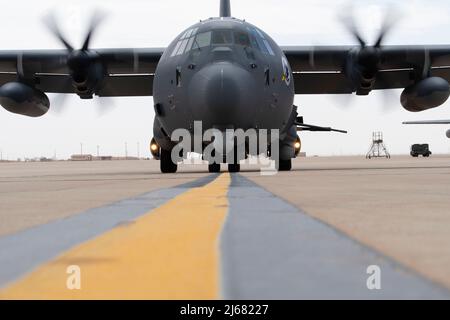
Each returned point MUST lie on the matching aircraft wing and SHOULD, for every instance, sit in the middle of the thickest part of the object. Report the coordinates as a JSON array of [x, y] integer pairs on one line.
[[428, 122], [126, 72], [337, 70]]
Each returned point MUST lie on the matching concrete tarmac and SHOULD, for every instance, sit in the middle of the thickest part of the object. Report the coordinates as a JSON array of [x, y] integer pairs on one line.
[[400, 207], [35, 193], [309, 233]]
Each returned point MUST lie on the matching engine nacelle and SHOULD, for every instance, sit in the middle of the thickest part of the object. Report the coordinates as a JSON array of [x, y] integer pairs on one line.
[[19, 98], [426, 94], [448, 134]]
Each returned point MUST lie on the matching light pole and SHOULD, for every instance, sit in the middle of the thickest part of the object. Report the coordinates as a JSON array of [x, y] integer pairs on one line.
[[81, 147]]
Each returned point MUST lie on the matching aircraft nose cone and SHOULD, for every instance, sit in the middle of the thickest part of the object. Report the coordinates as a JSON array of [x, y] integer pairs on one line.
[[222, 94]]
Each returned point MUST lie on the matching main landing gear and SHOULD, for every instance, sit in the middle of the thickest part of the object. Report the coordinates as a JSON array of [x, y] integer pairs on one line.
[[284, 165]]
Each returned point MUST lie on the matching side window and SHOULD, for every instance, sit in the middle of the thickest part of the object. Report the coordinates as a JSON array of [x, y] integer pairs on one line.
[[253, 41], [175, 50], [262, 43], [189, 33], [186, 34], [182, 46], [185, 42], [268, 47], [189, 45]]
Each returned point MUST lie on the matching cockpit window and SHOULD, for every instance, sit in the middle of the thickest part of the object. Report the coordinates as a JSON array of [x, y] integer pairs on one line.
[[261, 42], [242, 38], [222, 37], [190, 40], [202, 40], [185, 42]]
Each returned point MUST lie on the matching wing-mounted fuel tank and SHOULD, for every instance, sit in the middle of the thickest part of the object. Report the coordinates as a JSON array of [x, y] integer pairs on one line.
[[22, 99], [426, 94]]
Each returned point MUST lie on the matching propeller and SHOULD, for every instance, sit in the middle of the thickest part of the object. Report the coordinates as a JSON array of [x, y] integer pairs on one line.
[[104, 105], [85, 66], [367, 58], [51, 22], [364, 62]]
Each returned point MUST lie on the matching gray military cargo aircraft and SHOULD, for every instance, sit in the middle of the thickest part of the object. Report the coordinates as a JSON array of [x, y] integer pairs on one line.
[[226, 73]]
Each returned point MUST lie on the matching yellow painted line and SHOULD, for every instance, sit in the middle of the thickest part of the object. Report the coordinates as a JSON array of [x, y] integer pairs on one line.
[[171, 253]]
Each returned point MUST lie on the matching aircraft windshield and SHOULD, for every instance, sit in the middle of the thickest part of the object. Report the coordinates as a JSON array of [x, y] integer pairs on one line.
[[242, 38], [222, 37], [191, 40]]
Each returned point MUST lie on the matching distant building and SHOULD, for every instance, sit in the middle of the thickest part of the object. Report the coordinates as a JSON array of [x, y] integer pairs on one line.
[[125, 158], [81, 157], [103, 158]]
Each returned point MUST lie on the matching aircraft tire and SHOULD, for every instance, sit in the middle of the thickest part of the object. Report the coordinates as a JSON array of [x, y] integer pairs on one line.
[[285, 165], [214, 168], [234, 168], [166, 164]]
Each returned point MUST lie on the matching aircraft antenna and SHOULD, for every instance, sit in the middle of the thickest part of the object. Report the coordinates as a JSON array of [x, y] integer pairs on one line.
[[225, 9]]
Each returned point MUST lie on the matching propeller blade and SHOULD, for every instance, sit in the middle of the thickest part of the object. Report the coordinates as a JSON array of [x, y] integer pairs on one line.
[[342, 101], [348, 22], [104, 105], [390, 100], [96, 19], [51, 23], [58, 103], [391, 18]]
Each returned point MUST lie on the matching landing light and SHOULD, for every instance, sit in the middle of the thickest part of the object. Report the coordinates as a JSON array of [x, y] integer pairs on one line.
[[297, 146], [155, 149]]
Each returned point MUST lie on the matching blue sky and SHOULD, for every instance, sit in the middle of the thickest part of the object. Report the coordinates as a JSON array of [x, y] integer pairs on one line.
[[151, 23]]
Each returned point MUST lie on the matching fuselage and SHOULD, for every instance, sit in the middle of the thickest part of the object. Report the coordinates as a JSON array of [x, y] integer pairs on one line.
[[226, 73]]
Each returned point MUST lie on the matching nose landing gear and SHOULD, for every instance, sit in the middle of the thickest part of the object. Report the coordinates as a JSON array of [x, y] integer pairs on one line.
[[234, 167], [214, 167]]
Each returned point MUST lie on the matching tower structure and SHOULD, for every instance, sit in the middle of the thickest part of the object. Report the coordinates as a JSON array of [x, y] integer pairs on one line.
[[378, 148]]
